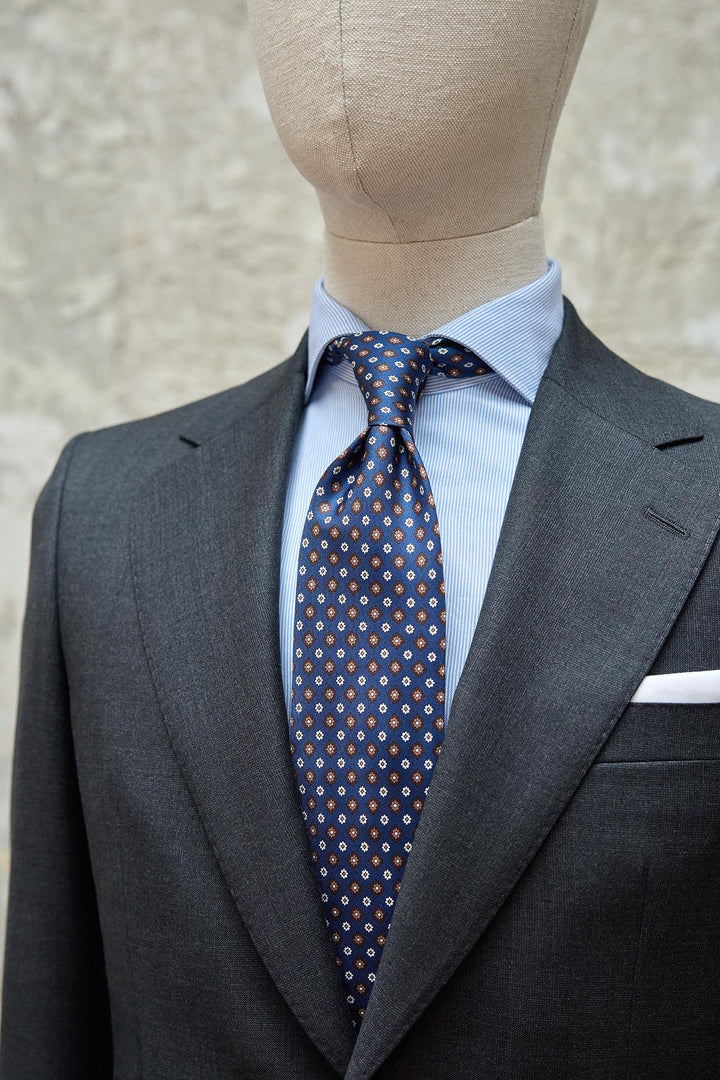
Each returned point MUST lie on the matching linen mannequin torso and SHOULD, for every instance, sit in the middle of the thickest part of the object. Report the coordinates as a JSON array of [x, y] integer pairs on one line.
[[558, 914], [558, 910], [426, 135]]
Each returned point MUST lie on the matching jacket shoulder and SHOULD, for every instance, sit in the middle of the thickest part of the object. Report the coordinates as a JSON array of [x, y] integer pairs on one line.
[[616, 389], [124, 454]]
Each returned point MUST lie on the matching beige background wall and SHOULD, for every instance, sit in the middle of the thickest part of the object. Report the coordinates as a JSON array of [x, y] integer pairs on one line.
[[156, 245]]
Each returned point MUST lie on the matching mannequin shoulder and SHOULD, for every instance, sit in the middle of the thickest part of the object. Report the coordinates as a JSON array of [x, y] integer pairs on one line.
[[676, 400], [100, 474], [665, 415], [618, 389], [123, 455], [673, 404]]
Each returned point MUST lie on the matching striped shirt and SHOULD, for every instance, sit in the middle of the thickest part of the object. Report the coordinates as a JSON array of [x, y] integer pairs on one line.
[[468, 434]]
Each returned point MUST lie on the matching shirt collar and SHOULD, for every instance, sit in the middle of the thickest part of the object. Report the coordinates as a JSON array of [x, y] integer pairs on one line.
[[514, 333]]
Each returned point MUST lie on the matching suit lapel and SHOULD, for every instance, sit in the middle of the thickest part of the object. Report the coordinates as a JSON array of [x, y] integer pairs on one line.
[[206, 552], [584, 588]]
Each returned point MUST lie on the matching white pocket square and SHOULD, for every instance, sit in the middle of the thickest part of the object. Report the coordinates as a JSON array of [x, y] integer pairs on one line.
[[687, 687]]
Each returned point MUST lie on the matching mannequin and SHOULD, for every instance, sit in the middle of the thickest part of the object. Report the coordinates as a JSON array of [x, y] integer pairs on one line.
[[426, 134], [558, 913]]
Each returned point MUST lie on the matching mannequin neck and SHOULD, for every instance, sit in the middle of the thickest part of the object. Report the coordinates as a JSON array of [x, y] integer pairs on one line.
[[416, 287]]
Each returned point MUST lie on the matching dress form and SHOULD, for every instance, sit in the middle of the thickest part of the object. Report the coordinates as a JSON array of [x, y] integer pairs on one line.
[[426, 132]]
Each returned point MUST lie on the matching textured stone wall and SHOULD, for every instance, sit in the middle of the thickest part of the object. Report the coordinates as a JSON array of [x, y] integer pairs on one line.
[[156, 244]]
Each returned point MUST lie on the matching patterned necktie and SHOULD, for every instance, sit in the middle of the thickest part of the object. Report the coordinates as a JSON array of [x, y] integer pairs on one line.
[[368, 680]]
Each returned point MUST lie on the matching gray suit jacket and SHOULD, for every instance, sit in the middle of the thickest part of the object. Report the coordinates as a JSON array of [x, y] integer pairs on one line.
[[559, 916]]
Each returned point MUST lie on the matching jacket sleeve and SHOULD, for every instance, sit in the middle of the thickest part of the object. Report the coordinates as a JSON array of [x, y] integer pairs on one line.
[[55, 1010]]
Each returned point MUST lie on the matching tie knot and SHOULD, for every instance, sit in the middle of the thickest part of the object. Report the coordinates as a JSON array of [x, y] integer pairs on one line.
[[391, 369]]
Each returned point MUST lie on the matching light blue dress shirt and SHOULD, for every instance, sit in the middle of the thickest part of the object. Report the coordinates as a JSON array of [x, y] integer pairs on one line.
[[468, 434]]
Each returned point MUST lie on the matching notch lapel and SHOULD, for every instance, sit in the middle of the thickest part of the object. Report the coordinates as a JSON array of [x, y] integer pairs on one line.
[[583, 591], [205, 543]]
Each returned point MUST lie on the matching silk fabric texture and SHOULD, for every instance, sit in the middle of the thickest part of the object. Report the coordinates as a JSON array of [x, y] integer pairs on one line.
[[368, 694]]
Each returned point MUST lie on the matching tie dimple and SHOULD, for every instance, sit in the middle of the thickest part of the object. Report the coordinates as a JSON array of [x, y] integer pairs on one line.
[[368, 677]]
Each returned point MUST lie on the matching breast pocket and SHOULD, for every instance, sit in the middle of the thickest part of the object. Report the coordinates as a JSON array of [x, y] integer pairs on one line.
[[655, 731]]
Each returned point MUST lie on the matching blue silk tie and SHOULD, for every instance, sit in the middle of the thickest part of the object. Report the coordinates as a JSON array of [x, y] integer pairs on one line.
[[368, 679]]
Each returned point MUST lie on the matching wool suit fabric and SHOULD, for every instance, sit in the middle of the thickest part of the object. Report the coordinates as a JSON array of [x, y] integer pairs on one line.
[[558, 917]]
